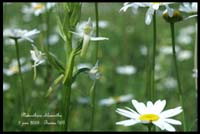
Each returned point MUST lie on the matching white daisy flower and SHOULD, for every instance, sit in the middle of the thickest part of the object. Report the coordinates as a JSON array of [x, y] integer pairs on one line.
[[20, 34], [153, 6], [117, 99], [184, 55], [151, 113], [87, 36], [188, 7], [13, 67], [37, 56], [126, 70], [37, 8]]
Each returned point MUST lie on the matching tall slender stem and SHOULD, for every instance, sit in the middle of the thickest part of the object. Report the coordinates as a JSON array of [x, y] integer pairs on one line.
[[153, 58], [195, 59], [67, 88], [177, 74], [20, 75], [93, 95]]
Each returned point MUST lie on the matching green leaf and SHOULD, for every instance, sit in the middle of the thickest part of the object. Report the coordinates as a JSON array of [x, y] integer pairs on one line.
[[82, 70], [54, 85]]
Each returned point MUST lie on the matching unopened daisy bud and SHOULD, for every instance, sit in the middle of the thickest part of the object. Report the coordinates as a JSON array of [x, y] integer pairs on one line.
[[175, 18]]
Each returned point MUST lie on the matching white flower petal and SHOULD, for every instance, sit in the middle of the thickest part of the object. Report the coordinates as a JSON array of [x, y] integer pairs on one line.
[[172, 121], [98, 38], [127, 122], [140, 107], [159, 124], [78, 34], [171, 112], [168, 127], [150, 107], [149, 15], [127, 113], [159, 106]]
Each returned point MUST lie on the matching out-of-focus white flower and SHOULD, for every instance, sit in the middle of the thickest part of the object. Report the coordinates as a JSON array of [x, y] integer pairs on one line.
[[195, 73], [126, 70], [53, 39], [113, 100], [20, 34], [168, 49], [185, 35], [184, 55], [87, 36], [83, 100], [94, 72], [170, 83], [37, 56], [13, 67], [143, 50], [37, 8], [153, 6], [151, 113], [189, 7], [6, 86]]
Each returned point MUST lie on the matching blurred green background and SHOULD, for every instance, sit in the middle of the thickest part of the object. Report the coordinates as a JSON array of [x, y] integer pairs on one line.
[[129, 41]]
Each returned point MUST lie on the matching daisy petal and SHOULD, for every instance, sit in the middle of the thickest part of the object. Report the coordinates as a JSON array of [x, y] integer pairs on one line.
[[127, 122], [159, 106], [140, 107], [127, 113], [159, 124], [149, 15], [169, 127], [172, 121], [171, 112]]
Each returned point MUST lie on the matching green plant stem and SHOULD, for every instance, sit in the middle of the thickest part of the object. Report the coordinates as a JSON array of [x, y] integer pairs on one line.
[[21, 78], [93, 94], [177, 74], [67, 88], [93, 108], [195, 57], [153, 58]]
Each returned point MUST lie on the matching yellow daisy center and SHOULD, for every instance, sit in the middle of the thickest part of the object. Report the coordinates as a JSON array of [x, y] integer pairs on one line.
[[38, 6], [149, 117]]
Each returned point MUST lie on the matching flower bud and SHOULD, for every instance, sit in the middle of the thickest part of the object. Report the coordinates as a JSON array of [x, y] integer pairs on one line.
[[175, 18]]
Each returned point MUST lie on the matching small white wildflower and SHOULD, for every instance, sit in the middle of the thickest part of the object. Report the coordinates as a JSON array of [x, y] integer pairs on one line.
[[94, 72], [37, 56], [87, 36]]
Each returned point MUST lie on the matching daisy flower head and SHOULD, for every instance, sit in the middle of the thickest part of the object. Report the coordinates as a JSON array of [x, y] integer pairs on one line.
[[151, 113], [37, 8], [188, 7], [116, 99], [152, 7], [20, 34], [86, 35]]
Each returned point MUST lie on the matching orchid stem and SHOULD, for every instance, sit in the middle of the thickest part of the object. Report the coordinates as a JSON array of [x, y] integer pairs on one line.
[[93, 108]]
